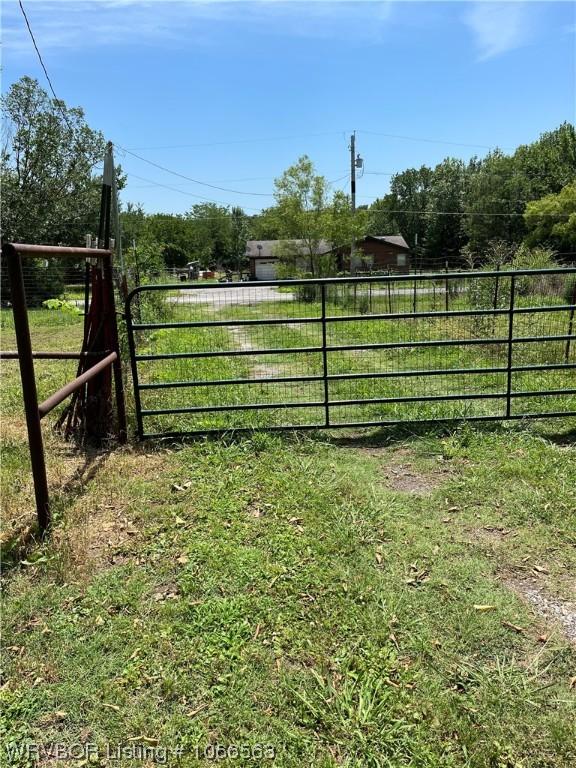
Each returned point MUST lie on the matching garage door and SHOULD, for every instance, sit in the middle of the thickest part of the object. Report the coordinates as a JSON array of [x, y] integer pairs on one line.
[[265, 270]]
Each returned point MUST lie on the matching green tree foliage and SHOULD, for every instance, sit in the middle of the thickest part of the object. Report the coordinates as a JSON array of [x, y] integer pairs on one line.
[[381, 216], [211, 234], [50, 193], [239, 229], [502, 185], [443, 237], [49, 188], [175, 236], [410, 195], [305, 211], [552, 219], [489, 196], [494, 201]]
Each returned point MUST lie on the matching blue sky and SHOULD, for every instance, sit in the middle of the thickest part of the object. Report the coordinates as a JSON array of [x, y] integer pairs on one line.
[[231, 93]]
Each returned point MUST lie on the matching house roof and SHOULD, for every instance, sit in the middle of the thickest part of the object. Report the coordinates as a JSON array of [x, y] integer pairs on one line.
[[264, 249], [396, 240]]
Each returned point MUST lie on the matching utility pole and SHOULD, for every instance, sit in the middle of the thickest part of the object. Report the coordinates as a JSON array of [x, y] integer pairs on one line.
[[352, 194], [355, 162]]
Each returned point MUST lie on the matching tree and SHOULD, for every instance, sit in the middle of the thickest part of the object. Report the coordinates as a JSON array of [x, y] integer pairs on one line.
[[502, 185], [304, 211], [238, 237], [552, 219], [210, 233], [444, 238], [410, 196], [50, 191], [175, 236], [381, 216]]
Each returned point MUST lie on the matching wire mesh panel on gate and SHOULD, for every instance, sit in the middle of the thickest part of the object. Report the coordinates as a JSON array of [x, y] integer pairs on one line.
[[353, 351]]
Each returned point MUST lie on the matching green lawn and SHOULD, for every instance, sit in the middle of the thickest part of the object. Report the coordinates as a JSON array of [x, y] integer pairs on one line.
[[361, 598]]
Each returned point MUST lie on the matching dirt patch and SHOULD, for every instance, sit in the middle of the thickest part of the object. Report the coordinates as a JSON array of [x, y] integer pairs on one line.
[[402, 475], [241, 339], [550, 608], [265, 371], [491, 534], [110, 527], [260, 370]]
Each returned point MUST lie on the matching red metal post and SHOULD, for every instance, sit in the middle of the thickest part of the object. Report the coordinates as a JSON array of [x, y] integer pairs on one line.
[[29, 393]]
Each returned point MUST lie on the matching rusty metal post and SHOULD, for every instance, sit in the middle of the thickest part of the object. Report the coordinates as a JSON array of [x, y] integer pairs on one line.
[[108, 184], [116, 365], [30, 396]]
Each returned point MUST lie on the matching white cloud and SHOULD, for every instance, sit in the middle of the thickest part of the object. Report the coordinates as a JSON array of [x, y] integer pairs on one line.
[[76, 24], [499, 27]]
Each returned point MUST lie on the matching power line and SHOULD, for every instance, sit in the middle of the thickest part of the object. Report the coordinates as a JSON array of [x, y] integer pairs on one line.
[[412, 212], [183, 191], [429, 141], [189, 178], [58, 104], [236, 141], [58, 101], [314, 135]]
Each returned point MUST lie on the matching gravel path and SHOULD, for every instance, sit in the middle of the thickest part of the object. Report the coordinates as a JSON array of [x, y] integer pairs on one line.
[[220, 297], [550, 608]]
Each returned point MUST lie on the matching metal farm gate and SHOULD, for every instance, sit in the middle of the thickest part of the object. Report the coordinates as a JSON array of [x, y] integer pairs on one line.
[[352, 352]]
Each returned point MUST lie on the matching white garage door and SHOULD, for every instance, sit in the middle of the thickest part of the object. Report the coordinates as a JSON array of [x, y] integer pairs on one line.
[[265, 270]]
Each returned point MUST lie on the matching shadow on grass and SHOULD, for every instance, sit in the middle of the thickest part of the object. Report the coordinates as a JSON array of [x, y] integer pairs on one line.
[[369, 437], [28, 540], [566, 438]]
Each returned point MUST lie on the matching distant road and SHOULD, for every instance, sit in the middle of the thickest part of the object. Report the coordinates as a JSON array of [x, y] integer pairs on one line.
[[221, 296], [255, 294]]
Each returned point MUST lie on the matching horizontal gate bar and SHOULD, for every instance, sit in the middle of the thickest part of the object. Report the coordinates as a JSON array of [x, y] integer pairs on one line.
[[245, 407], [224, 382], [353, 376], [348, 318], [350, 347], [438, 398], [419, 398], [444, 313], [444, 343], [61, 394], [226, 353], [220, 323], [357, 424], [448, 371], [358, 401], [25, 249]]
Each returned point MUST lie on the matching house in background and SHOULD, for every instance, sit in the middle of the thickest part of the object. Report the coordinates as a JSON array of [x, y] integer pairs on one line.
[[263, 255], [378, 253]]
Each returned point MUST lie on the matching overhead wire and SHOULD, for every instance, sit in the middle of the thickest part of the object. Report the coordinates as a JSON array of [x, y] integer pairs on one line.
[[236, 141], [41, 60], [429, 141], [58, 104]]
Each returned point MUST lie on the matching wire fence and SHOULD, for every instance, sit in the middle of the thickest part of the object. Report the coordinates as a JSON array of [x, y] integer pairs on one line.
[[357, 351], [379, 349]]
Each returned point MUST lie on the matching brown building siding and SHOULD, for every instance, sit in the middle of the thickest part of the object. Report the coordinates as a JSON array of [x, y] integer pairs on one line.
[[385, 256]]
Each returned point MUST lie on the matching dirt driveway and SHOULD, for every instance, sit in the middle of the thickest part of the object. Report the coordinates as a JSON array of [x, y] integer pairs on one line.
[[230, 295]]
